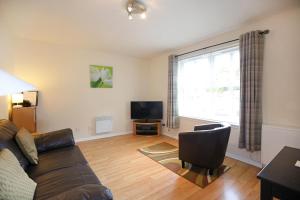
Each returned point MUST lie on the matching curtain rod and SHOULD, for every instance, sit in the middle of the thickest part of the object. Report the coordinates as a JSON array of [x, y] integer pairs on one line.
[[261, 32]]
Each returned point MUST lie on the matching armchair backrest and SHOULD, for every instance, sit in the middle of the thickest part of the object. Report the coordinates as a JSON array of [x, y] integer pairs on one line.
[[210, 126]]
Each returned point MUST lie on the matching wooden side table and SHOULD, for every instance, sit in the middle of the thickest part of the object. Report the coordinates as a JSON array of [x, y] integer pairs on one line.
[[24, 117]]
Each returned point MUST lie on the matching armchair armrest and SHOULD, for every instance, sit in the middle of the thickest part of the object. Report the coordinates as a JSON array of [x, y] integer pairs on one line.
[[85, 192], [54, 140]]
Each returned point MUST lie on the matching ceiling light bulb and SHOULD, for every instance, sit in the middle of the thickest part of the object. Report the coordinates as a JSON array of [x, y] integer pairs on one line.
[[130, 16], [143, 15]]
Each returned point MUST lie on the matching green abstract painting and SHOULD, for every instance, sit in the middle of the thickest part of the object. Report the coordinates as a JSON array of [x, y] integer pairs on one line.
[[101, 76]]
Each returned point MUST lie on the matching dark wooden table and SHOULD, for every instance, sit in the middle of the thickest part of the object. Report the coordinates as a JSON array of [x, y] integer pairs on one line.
[[281, 178]]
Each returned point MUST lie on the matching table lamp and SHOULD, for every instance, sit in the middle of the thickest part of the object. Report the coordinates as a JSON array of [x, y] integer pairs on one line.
[[17, 99]]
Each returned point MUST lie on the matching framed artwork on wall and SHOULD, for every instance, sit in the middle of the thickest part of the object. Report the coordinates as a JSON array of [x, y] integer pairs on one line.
[[30, 98], [101, 76]]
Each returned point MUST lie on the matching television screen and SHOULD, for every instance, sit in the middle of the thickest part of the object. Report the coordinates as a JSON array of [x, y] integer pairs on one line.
[[146, 110]]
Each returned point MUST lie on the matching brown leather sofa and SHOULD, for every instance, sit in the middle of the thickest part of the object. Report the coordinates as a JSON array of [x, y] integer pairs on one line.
[[62, 172], [205, 146]]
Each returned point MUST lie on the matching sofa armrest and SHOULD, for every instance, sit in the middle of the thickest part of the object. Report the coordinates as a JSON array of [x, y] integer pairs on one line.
[[54, 140], [85, 192]]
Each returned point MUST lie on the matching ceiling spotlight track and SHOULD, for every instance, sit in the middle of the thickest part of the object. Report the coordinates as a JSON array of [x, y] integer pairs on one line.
[[136, 7]]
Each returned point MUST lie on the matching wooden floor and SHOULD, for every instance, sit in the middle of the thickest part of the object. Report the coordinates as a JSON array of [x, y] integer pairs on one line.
[[131, 175]]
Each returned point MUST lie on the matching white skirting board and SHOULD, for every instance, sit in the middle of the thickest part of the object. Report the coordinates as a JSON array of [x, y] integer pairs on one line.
[[274, 138], [244, 159], [95, 137]]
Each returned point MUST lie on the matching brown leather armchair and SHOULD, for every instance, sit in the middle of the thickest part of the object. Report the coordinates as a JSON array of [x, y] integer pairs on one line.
[[205, 146]]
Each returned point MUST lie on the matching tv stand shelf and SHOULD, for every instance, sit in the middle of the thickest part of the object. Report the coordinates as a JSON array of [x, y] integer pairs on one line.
[[146, 127]]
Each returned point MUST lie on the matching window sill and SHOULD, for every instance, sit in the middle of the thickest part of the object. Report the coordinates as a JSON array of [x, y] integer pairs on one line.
[[212, 121]]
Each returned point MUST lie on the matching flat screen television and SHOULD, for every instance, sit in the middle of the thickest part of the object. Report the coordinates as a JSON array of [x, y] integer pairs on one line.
[[152, 110]]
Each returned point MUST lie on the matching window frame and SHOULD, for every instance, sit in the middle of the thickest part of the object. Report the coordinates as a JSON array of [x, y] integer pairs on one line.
[[199, 53]]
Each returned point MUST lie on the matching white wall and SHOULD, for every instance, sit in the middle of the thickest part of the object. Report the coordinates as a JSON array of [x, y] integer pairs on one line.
[[6, 63], [275, 138], [281, 82], [61, 74]]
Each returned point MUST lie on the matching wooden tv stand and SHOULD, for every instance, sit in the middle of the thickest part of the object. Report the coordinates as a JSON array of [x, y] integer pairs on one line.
[[146, 127]]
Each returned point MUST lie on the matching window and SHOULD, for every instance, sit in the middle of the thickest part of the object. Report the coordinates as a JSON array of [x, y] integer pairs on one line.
[[209, 85]]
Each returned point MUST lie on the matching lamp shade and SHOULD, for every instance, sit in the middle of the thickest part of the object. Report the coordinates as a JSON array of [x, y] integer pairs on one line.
[[17, 98], [10, 84]]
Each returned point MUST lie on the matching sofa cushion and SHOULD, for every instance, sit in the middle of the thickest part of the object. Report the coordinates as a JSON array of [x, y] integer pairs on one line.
[[26, 143], [64, 179], [56, 159], [14, 182], [7, 133]]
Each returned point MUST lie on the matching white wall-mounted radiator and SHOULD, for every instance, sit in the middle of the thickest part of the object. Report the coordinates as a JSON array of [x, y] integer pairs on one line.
[[103, 124]]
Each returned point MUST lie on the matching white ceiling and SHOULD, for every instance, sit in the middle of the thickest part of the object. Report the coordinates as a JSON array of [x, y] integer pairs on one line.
[[103, 24]]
